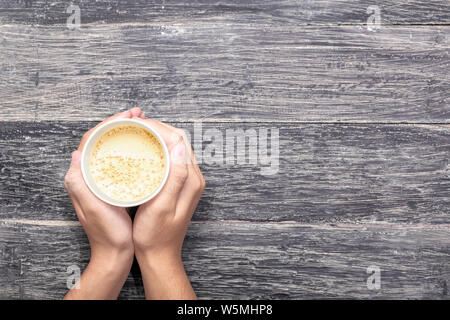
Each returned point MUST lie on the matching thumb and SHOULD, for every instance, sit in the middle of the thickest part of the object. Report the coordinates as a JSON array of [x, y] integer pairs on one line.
[[177, 176]]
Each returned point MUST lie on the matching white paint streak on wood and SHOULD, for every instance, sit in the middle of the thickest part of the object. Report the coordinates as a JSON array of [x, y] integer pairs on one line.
[[63, 223], [48, 223]]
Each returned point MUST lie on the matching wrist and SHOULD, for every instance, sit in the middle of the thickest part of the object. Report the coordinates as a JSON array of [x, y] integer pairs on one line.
[[164, 275], [155, 259], [112, 261], [104, 276]]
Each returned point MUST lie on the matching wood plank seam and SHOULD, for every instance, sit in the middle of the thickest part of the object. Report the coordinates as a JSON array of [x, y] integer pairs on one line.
[[64, 223]]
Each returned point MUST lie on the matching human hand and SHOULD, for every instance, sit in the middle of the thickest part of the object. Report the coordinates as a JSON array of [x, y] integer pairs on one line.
[[160, 224], [108, 228]]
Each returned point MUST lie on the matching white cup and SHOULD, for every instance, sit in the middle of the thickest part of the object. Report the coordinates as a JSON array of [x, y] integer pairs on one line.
[[86, 155]]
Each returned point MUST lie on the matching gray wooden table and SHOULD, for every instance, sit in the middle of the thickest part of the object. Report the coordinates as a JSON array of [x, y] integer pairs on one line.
[[364, 138]]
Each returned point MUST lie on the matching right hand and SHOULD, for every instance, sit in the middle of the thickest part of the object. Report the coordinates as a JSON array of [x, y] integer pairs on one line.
[[160, 224]]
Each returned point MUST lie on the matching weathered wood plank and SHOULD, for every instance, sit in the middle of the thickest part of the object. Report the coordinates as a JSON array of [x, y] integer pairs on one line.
[[219, 70], [250, 261], [305, 12], [326, 173]]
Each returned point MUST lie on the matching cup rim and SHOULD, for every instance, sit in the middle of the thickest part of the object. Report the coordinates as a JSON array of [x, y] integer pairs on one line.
[[91, 140]]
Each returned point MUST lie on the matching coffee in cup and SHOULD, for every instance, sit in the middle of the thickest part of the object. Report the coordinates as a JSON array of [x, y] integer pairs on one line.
[[127, 163]]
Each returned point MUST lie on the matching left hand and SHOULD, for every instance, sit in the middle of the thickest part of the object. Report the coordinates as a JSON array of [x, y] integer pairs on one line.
[[108, 228]]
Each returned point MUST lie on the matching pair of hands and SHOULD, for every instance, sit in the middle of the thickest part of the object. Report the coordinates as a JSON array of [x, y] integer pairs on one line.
[[155, 236]]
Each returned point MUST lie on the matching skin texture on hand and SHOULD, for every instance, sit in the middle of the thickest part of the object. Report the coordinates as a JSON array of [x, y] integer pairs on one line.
[[108, 228], [160, 225]]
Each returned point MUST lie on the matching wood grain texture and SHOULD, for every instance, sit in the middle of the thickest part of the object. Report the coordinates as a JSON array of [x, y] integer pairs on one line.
[[304, 12], [363, 119], [326, 173], [218, 70], [250, 261]]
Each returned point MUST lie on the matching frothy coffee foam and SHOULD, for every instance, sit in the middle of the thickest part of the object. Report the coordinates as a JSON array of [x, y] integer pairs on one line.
[[127, 163]]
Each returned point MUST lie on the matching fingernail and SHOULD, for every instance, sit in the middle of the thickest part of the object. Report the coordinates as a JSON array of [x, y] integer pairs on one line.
[[178, 152]]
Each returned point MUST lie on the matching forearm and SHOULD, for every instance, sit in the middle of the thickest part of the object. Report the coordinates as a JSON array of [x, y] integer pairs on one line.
[[164, 277], [103, 278]]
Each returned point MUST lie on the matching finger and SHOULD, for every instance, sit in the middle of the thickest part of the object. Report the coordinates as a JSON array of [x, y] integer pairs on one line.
[[125, 114], [190, 196], [136, 112], [71, 182], [168, 197], [189, 148], [73, 175], [76, 186], [186, 209], [195, 183], [169, 135]]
